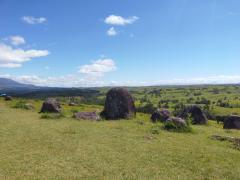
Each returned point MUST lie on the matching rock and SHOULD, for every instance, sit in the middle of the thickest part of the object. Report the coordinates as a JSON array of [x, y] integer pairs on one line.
[[72, 104], [51, 105], [8, 98], [87, 116], [224, 138], [232, 122], [160, 115], [29, 106], [196, 113], [119, 104], [234, 140], [177, 122]]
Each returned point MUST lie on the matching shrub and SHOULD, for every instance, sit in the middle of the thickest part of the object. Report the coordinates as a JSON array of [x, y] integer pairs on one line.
[[178, 109], [170, 126], [210, 114], [149, 108], [23, 105], [74, 111], [203, 101]]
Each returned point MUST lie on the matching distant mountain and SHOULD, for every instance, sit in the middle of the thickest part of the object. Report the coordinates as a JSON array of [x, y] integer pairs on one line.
[[14, 88], [11, 84]]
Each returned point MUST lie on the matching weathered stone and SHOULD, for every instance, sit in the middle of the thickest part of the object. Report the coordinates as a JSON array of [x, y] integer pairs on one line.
[[234, 140], [29, 106], [119, 104], [160, 115], [51, 105], [8, 98], [72, 104], [87, 116], [232, 122], [196, 113], [177, 122]]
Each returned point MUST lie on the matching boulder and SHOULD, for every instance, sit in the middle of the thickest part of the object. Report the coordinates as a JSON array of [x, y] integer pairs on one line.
[[176, 122], [8, 98], [160, 115], [29, 106], [72, 104], [87, 116], [196, 113], [232, 122], [51, 106], [119, 104]]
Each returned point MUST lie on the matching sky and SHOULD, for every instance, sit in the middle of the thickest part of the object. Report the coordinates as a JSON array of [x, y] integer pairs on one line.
[[85, 43]]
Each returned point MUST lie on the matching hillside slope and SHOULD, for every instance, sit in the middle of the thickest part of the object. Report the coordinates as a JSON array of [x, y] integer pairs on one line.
[[10, 84]]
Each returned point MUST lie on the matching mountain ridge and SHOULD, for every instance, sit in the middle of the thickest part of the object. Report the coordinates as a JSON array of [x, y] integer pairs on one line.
[[6, 83]]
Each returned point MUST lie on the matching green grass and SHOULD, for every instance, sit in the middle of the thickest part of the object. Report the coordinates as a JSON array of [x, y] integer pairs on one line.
[[35, 148], [52, 115]]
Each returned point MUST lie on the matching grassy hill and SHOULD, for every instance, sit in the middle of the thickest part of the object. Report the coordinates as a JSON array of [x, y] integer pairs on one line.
[[36, 148]]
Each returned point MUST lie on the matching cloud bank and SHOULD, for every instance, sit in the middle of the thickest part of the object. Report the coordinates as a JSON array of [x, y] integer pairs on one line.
[[89, 75], [74, 80]]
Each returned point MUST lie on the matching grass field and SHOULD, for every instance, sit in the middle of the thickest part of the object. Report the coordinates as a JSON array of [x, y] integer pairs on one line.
[[35, 148]]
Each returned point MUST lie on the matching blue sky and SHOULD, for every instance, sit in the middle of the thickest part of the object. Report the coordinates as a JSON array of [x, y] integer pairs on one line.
[[109, 42]]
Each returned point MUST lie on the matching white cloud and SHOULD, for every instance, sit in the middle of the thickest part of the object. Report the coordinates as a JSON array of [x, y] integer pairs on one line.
[[17, 40], [10, 57], [33, 20], [74, 80], [112, 32], [10, 65], [119, 20], [98, 68]]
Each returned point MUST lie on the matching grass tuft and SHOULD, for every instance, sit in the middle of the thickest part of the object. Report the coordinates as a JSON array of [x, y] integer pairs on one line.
[[22, 105], [155, 129], [52, 116]]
